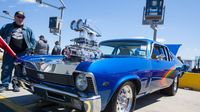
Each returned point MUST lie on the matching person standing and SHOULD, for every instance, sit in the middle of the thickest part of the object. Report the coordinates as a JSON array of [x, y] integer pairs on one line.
[[21, 40], [57, 49], [42, 47]]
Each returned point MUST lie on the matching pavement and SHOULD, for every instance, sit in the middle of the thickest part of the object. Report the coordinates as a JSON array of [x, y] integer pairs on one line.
[[25, 101], [184, 101]]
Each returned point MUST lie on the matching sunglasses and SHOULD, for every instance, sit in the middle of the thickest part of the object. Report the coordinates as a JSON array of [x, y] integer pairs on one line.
[[20, 17]]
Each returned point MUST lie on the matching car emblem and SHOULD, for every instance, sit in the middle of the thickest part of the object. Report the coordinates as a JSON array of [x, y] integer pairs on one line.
[[105, 84]]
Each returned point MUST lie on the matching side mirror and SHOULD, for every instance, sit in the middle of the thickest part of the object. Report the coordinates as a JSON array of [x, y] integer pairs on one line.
[[160, 57]]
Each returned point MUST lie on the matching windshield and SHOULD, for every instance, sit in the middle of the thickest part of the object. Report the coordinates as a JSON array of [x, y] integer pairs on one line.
[[124, 48]]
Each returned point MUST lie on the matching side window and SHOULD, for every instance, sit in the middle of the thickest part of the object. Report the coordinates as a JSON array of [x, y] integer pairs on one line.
[[159, 53], [167, 54], [155, 52], [171, 57]]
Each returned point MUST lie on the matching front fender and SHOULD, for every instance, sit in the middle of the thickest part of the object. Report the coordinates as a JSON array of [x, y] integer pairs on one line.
[[133, 78]]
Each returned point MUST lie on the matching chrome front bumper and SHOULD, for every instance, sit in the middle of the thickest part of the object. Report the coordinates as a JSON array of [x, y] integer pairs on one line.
[[91, 104]]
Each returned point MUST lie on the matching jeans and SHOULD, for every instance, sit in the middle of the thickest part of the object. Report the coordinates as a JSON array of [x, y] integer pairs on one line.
[[7, 68]]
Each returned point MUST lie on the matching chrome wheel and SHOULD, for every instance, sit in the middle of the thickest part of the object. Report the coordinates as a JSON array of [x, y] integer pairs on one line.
[[124, 99]]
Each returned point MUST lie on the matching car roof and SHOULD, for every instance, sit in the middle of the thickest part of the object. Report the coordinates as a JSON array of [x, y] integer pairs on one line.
[[132, 39]]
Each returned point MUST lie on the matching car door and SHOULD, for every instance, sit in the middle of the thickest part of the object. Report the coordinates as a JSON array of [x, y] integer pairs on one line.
[[160, 65]]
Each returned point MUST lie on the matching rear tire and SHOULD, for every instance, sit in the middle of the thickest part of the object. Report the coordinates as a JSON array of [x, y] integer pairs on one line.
[[172, 90], [124, 99]]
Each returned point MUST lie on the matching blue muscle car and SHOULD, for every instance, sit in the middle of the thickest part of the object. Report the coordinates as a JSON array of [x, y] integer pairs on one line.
[[127, 69]]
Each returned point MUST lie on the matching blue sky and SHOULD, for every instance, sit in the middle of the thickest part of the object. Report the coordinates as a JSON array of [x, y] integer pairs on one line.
[[114, 19]]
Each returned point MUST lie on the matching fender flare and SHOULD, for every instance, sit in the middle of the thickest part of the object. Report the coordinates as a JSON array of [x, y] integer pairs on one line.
[[133, 78]]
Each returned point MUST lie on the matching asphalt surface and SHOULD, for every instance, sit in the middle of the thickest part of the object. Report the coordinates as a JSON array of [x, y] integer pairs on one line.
[[183, 101]]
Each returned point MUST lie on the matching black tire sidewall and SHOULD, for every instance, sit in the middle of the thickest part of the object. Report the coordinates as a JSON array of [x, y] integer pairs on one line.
[[175, 91]]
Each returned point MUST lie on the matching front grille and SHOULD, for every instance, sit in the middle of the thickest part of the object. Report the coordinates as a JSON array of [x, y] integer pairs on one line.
[[61, 79], [55, 96]]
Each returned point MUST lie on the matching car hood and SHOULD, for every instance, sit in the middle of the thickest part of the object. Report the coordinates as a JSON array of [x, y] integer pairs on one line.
[[58, 64], [114, 65], [48, 64]]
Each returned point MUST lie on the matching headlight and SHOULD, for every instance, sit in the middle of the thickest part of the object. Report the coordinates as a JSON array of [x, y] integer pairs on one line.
[[81, 82]]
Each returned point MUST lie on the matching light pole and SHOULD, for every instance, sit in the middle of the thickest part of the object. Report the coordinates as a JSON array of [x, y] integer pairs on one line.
[[153, 15], [154, 27], [7, 13], [59, 8]]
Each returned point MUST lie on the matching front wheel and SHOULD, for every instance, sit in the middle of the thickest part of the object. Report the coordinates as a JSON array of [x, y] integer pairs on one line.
[[172, 90], [124, 99]]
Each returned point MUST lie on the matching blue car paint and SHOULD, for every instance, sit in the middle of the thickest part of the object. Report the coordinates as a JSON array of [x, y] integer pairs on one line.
[[173, 47], [106, 70], [39, 58], [115, 70]]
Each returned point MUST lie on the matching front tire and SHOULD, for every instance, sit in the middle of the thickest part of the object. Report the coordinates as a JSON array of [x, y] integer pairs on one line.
[[124, 99], [172, 90]]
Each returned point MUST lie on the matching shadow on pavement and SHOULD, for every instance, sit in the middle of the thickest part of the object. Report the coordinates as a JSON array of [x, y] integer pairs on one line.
[[148, 100], [5, 108], [29, 103]]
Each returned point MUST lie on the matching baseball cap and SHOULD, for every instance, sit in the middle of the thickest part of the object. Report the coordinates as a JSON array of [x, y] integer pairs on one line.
[[41, 36], [20, 13]]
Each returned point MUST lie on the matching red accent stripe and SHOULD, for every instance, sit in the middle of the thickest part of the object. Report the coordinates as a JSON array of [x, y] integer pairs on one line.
[[171, 70], [6, 48], [163, 81]]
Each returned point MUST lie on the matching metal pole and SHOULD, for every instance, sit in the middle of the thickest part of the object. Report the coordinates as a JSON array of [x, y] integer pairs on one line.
[[59, 8], [154, 27], [62, 3], [61, 16], [155, 34], [6, 17]]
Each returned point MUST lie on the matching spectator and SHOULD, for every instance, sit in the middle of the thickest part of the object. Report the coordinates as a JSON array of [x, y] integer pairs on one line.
[[42, 46], [56, 50], [21, 40]]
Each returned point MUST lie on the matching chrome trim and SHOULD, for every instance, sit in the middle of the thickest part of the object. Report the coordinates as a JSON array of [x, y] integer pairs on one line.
[[54, 90], [91, 98], [89, 74], [152, 46], [47, 94], [17, 63], [94, 103]]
